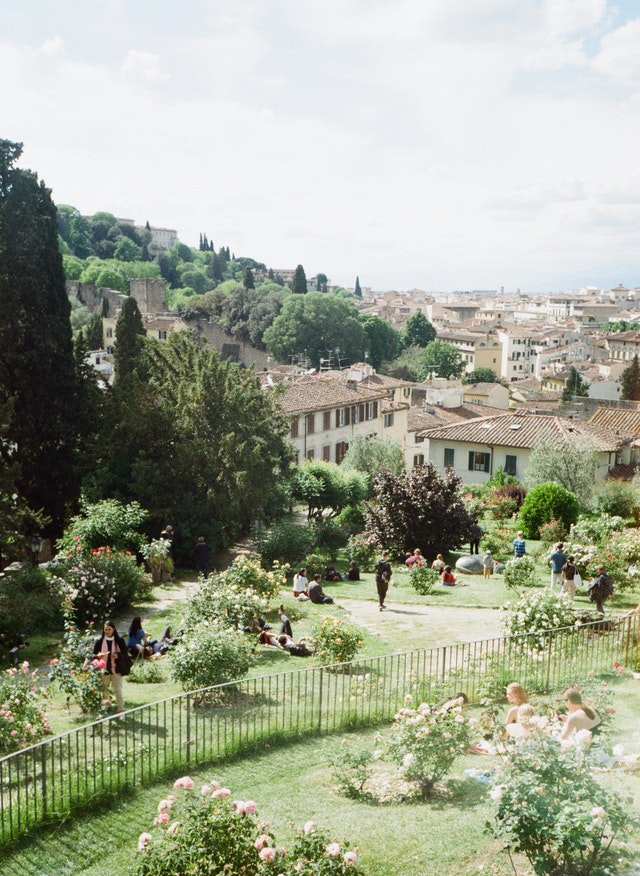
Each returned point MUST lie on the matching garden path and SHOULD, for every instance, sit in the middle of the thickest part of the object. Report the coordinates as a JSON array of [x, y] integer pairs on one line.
[[424, 626]]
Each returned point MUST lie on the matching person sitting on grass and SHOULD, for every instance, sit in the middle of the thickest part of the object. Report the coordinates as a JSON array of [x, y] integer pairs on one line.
[[522, 728], [296, 649], [517, 697], [448, 578], [353, 572], [300, 584], [332, 575], [438, 564], [415, 559], [137, 641], [579, 717], [317, 594]]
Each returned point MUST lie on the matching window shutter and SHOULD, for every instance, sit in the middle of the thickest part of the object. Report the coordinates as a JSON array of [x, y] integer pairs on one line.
[[487, 461], [471, 455], [347, 416], [337, 418]]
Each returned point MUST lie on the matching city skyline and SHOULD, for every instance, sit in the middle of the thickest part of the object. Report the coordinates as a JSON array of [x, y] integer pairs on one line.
[[436, 144]]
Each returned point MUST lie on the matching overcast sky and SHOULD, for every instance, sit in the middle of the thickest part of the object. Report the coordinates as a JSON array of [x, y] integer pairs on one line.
[[439, 144]]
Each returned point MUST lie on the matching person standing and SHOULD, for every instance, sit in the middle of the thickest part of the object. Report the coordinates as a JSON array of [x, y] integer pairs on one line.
[[201, 556], [519, 546], [169, 535], [487, 565], [383, 577], [568, 578], [475, 534], [557, 559], [600, 589], [111, 650]]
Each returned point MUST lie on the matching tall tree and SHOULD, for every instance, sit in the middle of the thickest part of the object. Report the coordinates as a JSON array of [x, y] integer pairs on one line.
[[36, 354], [247, 281], [357, 291], [382, 340], [572, 464], [442, 359], [321, 282], [299, 282], [574, 386], [418, 331], [630, 381], [129, 336]]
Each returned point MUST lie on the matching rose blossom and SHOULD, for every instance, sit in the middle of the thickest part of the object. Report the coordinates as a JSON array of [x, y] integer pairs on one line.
[[184, 782], [143, 841], [333, 849], [261, 840], [496, 793], [173, 828], [206, 790], [407, 760], [350, 858], [238, 805], [221, 792], [268, 854], [250, 807], [309, 827], [164, 806]]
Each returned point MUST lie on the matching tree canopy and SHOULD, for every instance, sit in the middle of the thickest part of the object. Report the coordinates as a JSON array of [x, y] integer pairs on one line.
[[418, 331], [630, 381], [575, 385], [373, 455], [299, 282], [572, 465], [327, 488], [442, 359], [382, 340], [316, 325]]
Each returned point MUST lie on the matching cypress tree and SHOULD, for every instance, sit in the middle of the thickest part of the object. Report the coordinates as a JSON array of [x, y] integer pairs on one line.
[[36, 353], [299, 282], [248, 282], [129, 334], [358, 290], [630, 381]]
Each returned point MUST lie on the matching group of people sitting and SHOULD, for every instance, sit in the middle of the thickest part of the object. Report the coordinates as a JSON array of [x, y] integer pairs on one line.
[[579, 716], [141, 645], [284, 639], [447, 578], [303, 589]]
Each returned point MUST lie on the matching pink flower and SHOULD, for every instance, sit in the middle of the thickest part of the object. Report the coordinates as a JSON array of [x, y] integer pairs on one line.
[[173, 828], [144, 840], [206, 790], [238, 805], [262, 839], [99, 664], [333, 850], [268, 854], [221, 792], [250, 807], [54, 662], [350, 858], [184, 782], [309, 827], [162, 818]]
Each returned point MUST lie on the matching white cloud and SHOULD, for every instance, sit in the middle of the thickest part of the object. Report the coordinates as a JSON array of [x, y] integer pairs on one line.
[[619, 58], [143, 65]]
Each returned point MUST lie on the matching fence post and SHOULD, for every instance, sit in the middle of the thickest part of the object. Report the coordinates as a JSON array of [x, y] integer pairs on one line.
[[43, 767], [188, 745], [320, 702]]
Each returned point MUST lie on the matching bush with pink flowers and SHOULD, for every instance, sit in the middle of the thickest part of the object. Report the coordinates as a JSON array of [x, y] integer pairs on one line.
[[23, 720], [204, 832]]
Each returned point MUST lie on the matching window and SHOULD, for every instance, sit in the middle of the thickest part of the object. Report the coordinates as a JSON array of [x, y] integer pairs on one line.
[[510, 463], [341, 449], [343, 417], [109, 333], [449, 454], [162, 335], [326, 453], [355, 414], [388, 420], [371, 410], [294, 428], [406, 392], [310, 423], [418, 459], [479, 461], [311, 454], [419, 439], [326, 421]]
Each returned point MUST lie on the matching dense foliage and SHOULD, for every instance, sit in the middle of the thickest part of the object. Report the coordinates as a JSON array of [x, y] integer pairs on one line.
[[23, 720], [571, 464], [547, 502], [335, 641], [419, 509], [212, 653], [327, 488]]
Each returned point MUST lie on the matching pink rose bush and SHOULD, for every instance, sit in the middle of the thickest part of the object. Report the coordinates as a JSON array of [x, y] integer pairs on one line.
[[213, 834], [23, 720]]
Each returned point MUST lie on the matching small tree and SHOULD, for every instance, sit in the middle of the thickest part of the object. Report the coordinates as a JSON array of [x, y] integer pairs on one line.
[[299, 282], [418, 331], [247, 281], [419, 509], [442, 359], [630, 381], [545, 503], [372, 455], [571, 464], [327, 488], [574, 386]]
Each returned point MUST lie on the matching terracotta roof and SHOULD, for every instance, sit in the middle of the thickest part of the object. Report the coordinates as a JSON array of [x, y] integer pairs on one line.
[[521, 429], [622, 472], [619, 420], [480, 388], [315, 393]]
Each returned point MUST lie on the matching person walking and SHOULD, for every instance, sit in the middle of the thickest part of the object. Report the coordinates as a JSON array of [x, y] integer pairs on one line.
[[383, 577], [519, 546], [569, 572], [475, 534], [201, 556], [600, 589], [111, 652], [557, 559]]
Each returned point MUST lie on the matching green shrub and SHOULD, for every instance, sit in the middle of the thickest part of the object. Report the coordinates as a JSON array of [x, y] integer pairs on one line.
[[286, 542], [30, 602], [427, 741], [423, 579], [210, 654], [247, 573], [23, 721], [351, 519], [552, 532], [520, 572], [330, 535], [335, 641], [544, 503], [147, 672], [363, 548], [499, 542], [595, 529], [105, 524], [536, 613], [614, 497], [208, 834], [550, 807], [156, 554], [73, 671], [352, 770]]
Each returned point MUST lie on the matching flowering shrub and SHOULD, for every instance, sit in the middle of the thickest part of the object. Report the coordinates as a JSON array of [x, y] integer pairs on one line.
[[23, 720], [208, 833], [618, 549], [156, 554], [335, 641], [423, 579], [520, 572], [352, 770], [550, 807], [74, 671], [363, 548], [427, 740], [105, 523], [225, 604], [247, 573], [286, 542], [499, 542], [552, 532], [536, 613], [595, 529], [99, 582], [210, 654]]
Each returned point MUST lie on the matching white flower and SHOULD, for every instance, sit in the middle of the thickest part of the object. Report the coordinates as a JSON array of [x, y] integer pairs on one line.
[[496, 793], [407, 760]]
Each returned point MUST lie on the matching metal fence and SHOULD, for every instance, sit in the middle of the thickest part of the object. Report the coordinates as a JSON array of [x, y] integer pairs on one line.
[[47, 781]]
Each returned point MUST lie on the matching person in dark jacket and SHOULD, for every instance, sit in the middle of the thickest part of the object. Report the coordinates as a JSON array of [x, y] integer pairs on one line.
[[112, 657], [201, 556], [317, 594], [600, 589], [383, 576]]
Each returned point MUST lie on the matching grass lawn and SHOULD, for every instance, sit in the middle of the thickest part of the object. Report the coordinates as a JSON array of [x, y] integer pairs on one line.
[[293, 784]]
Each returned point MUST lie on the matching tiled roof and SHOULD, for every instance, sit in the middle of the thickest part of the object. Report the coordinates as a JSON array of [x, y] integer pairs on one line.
[[435, 415], [619, 420], [526, 430], [314, 393]]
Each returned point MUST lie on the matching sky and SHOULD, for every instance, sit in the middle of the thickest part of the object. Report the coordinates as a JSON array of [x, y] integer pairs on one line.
[[438, 144]]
